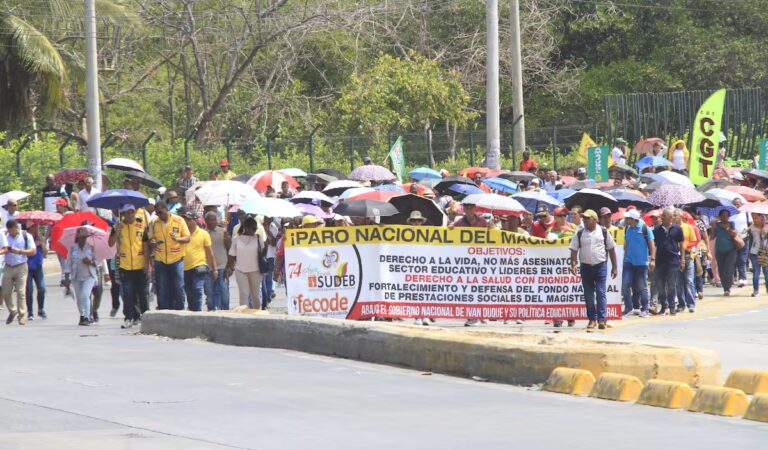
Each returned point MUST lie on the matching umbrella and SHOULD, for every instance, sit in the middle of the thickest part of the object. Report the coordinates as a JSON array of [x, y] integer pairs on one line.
[[408, 203], [335, 188], [757, 208], [115, 198], [464, 189], [653, 161], [753, 195], [371, 172], [495, 173], [225, 192], [312, 210], [447, 182], [500, 184], [332, 172], [715, 211], [143, 178], [70, 176], [262, 180], [321, 178], [654, 186], [592, 199], [721, 183], [381, 196], [647, 218], [726, 197], [710, 201], [294, 172], [73, 220], [419, 188], [470, 172], [645, 146], [531, 200], [586, 184], [424, 172], [494, 204], [430, 182], [626, 198], [354, 192], [312, 197], [675, 178], [674, 195], [97, 238], [560, 194], [390, 188], [124, 164], [270, 207], [38, 217], [12, 195], [755, 173], [242, 178], [365, 208], [518, 176], [623, 168]]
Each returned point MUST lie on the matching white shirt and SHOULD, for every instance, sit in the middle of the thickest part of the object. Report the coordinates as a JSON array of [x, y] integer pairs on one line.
[[83, 196], [5, 216], [742, 223], [678, 159], [592, 249], [618, 156], [248, 248], [3, 243], [12, 259]]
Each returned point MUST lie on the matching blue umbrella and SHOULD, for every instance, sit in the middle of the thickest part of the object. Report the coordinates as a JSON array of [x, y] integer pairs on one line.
[[424, 172], [653, 161], [531, 200], [714, 212], [500, 184], [465, 189], [561, 194], [115, 198], [389, 187]]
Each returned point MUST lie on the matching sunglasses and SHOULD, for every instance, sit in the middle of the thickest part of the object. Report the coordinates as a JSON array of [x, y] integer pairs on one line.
[[562, 215]]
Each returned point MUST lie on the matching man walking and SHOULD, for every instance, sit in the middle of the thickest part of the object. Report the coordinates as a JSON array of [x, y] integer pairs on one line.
[[686, 292], [639, 259], [670, 245], [199, 262], [168, 234], [217, 290], [133, 247], [84, 195], [592, 246], [17, 249], [51, 193]]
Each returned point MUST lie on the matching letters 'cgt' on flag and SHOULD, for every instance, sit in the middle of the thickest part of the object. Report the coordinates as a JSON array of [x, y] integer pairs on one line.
[[706, 130]]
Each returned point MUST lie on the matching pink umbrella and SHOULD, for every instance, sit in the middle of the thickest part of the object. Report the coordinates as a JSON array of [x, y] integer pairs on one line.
[[99, 239], [307, 209], [752, 195], [757, 208], [645, 146], [38, 217], [273, 178]]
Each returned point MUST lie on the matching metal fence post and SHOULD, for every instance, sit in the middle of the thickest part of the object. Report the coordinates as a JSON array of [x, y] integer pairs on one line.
[[471, 147], [18, 155], [190, 136], [61, 151], [312, 148], [554, 148], [144, 150], [270, 137]]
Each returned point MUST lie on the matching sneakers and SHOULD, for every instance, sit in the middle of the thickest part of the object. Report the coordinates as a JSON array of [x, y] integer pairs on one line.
[[136, 322], [94, 317], [742, 283], [755, 293], [591, 324], [691, 310], [10, 318], [22, 319], [644, 314], [113, 312], [519, 322], [680, 308], [601, 325], [700, 295], [571, 323], [626, 312], [557, 323], [635, 312], [42, 314], [84, 322], [727, 293], [421, 322], [31, 316], [129, 323], [470, 323]]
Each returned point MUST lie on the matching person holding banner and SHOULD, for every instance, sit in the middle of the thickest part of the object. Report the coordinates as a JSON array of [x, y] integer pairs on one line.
[[470, 219], [591, 247]]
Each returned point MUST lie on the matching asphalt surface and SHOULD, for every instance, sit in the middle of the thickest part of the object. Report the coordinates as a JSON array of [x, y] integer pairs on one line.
[[70, 387]]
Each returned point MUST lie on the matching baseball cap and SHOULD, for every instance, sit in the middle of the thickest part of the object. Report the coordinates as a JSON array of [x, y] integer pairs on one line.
[[605, 211], [309, 220], [223, 163], [151, 201], [589, 213], [542, 210], [127, 208], [621, 140], [632, 214], [561, 210], [61, 202], [581, 170], [367, 159]]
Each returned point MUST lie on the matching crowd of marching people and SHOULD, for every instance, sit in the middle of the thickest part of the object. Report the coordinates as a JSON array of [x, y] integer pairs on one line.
[[185, 243]]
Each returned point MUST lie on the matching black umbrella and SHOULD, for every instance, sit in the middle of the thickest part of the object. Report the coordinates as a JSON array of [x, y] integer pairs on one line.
[[408, 203], [365, 208], [592, 199], [518, 176], [322, 178], [755, 173], [143, 178], [710, 201], [653, 186], [721, 183], [585, 184], [447, 182], [243, 178], [623, 168], [626, 198], [331, 172]]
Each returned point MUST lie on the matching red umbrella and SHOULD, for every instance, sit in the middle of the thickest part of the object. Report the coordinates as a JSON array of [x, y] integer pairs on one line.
[[39, 217], [273, 178], [645, 146], [470, 172], [73, 220], [421, 190], [657, 213], [752, 195], [495, 173], [70, 176], [381, 196]]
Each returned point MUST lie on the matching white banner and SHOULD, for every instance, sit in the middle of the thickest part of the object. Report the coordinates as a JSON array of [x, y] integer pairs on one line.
[[464, 273]]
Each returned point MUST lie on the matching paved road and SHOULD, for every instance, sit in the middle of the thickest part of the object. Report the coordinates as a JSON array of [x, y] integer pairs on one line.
[[65, 386]]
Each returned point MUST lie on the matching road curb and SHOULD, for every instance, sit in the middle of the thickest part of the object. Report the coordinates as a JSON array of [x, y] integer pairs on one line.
[[570, 381], [758, 408], [617, 387], [748, 380], [721, 401], [666, 394], [514, 358]]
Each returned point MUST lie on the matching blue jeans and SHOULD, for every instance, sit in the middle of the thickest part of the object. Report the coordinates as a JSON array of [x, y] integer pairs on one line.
[[83, 290], [217, 292], [35, 277], [686, 293], [634, 278], [741, 262], [266, 283], [666, 284], [593, 279], [134, 286], [756, 269], [194, 285], [170, 285]]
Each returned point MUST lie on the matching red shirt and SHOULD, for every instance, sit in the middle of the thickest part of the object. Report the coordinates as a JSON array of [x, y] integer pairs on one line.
[[525, 166], [540, 230]]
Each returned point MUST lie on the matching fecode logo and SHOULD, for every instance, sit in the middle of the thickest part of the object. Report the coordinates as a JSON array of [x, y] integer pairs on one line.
[[320, 305]]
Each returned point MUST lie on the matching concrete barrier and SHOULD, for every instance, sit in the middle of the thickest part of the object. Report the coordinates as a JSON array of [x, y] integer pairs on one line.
[[666, 394], [514, 358], [564, 380], [758, 408], [719, 400], [617, 387], [748, 380]]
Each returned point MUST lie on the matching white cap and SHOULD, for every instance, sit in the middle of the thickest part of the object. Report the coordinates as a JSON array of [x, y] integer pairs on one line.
[[737, 176], [152, 201], [161, 190], [535, 180], [632, 214]]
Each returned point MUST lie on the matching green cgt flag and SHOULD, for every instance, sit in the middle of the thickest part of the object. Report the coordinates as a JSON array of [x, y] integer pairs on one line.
[[397, 158]]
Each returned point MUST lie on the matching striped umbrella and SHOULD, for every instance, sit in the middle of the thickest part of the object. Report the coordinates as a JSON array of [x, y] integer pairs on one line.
[[273, 178]]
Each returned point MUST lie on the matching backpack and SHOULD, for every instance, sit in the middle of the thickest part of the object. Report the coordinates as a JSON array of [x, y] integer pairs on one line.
[[605, 239]]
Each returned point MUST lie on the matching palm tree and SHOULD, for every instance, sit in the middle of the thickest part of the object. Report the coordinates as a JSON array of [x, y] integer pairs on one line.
[[33, 74]]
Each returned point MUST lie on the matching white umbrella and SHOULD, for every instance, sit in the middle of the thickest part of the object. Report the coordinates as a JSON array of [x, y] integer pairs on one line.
[[312, 197], [726, 197], [189, 195], [757, 208], [675, 178], [123, 164], [494, 204], [294, 172], [12, 195], [270, 207], [225, 192], [335, 188]]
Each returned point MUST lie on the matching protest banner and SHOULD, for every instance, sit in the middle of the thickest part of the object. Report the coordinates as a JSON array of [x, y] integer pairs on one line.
[[397, 158], [585, 143], [597, 163], [462, 273], [706, 130]]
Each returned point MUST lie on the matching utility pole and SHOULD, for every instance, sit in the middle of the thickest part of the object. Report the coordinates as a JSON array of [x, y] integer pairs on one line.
[[492, 126], [92, 94], [518, 131]]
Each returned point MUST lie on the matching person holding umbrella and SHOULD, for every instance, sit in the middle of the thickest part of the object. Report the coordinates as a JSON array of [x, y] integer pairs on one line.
[[81, 273], [130, 235]]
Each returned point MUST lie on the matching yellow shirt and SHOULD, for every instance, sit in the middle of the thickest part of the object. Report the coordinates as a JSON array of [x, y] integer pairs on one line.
[[689, 237], [194, 251], [131, 246], [227, 176], [169, 251]]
